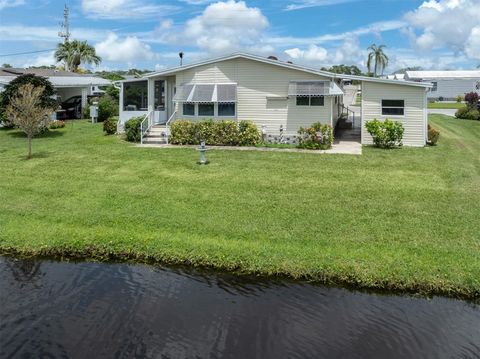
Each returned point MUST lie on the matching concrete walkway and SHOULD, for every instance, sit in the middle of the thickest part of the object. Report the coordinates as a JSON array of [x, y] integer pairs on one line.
[[344, 146]]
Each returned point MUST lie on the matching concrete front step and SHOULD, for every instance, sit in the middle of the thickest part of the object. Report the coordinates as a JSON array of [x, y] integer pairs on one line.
[[154, 141]]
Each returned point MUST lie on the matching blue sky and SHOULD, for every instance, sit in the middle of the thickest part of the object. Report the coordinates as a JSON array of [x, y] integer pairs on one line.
[[434, 34]]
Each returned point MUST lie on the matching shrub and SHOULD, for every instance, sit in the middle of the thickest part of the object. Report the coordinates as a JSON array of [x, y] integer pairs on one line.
[[316, 137], [110, 126], [459, 98], [107, 107], [248, 134], [11, 90], [226, 133], [205, 131], [86, 112], [386, 134], [467, 113], [433, 135], [472, 99], [132, 129], [56, 124], [183, 133]]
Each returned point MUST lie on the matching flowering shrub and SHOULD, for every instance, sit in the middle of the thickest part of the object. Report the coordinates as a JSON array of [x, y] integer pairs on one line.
[[316, 137], [433, 135], [386, 134], [56, 124]]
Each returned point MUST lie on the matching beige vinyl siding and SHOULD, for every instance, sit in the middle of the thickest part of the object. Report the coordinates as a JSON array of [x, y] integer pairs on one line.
[[262, 93], [414, 120]]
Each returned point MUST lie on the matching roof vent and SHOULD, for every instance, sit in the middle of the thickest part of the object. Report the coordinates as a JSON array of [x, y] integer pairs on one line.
[[273, 58], [290, 62]]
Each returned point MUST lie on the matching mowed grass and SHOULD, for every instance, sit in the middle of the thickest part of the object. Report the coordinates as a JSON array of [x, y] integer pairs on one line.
[[446, 105], [406, 219]]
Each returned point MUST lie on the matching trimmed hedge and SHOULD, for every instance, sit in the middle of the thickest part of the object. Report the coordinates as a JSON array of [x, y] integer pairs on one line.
[[110, 125], [132, 129], [316, 137], [385, 134], [468, 113], [215, 133]]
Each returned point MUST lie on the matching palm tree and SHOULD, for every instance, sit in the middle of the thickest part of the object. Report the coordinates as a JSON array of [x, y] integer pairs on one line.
[[73, 53], [377, 55]]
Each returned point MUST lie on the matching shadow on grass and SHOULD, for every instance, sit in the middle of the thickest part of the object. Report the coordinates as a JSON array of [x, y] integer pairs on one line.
[[35, 155], [49, 134]]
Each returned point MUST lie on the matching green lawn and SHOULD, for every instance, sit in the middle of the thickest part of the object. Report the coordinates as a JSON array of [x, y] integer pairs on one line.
[[406, 219], [446, 105]]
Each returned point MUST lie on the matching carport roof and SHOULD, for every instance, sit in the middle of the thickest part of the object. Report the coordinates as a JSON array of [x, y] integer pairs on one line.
[[57, 78]]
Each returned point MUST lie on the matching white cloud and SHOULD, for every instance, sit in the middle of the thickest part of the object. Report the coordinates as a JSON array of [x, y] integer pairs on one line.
[[222, 27], [125, 9], [312, 54], [10, 3], [451, 24], [303, 4], [41, 60], [127, 49]]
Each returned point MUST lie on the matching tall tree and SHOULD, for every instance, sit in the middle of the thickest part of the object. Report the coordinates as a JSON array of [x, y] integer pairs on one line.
[[27, 111], [377, 57], [75, 52]]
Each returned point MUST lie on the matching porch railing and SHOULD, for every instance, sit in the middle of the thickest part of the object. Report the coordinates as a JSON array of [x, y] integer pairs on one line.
[[348, 111], [167, 124], [146, 124]]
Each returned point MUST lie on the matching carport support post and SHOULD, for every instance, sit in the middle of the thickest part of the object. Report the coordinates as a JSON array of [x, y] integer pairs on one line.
[[84, 99]]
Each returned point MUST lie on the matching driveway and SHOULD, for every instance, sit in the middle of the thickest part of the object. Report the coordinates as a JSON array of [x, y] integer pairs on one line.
[[440, 111]]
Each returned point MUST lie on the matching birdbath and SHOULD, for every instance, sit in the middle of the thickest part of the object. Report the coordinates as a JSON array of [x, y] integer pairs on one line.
[[203, 150]]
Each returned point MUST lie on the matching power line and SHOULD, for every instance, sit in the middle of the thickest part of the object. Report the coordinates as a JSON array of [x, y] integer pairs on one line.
[[26, 53]]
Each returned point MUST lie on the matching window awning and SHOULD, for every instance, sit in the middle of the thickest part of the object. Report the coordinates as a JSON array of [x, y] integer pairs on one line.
[[314, 88], [223, 93]]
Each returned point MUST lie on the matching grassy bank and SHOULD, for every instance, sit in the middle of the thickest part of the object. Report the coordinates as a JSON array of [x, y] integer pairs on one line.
[[446, 105], [403, 219]]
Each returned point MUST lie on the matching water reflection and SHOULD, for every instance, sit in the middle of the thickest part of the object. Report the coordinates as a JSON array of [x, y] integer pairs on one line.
[[124, 311]]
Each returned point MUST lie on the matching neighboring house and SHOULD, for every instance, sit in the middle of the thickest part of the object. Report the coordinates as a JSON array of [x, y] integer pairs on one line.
[[271, 93], [67, 84], [447, 85]]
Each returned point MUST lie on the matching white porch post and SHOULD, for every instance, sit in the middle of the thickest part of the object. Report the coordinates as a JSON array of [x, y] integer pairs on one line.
[[84, 99]]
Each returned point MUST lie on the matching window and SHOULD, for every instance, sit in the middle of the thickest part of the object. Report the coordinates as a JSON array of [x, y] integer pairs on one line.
[[310, 101], [477, 85], [303, 101], [393, 107], [435, 86], [189, 109], [317, 101], [226, 109], [135, 96], [206, 109]]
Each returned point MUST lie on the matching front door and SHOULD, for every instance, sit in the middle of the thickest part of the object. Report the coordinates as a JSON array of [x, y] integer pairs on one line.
[[160, 101]]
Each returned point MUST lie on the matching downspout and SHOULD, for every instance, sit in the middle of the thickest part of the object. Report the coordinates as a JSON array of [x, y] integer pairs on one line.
[[425, 117]]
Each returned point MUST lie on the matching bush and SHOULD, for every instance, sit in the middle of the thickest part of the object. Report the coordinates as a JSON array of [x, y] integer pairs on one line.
[[11, 90], [433, 135], [386, 134], [110, 126], [183, 133], [467, 113], [56, 124], [86, 112], [316, 137], [132, 129], [216, 133], [459, 98], [205, 131], [225, 133], [472, 99], [248, 134], [107, 107]]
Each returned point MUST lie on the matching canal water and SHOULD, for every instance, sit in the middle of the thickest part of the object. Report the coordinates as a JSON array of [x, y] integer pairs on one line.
[[52, 309]]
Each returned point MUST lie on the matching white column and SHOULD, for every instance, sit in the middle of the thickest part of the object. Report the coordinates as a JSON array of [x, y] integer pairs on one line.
[[84, 99]]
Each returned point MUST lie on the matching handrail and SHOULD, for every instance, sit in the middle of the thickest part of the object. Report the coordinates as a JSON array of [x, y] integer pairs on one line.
[[148, 119], [348, 113], [167, 124]]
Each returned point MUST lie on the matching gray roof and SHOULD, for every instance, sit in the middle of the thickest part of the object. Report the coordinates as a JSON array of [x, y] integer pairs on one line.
[[286, 65], [430, 75], [56, 77]]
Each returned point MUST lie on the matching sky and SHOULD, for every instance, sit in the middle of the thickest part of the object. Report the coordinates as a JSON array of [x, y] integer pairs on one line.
[[149, 34]]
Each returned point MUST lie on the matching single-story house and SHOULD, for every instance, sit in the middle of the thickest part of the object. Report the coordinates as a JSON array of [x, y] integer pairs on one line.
[[67, 84], [447, 85], [271, 93]]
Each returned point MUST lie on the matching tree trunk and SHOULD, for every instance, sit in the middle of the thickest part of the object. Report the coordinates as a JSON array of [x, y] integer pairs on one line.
[[29, 147], [375, 68]]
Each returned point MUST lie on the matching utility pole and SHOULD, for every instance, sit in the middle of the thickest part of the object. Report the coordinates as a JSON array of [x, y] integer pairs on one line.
[[65, 33]]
